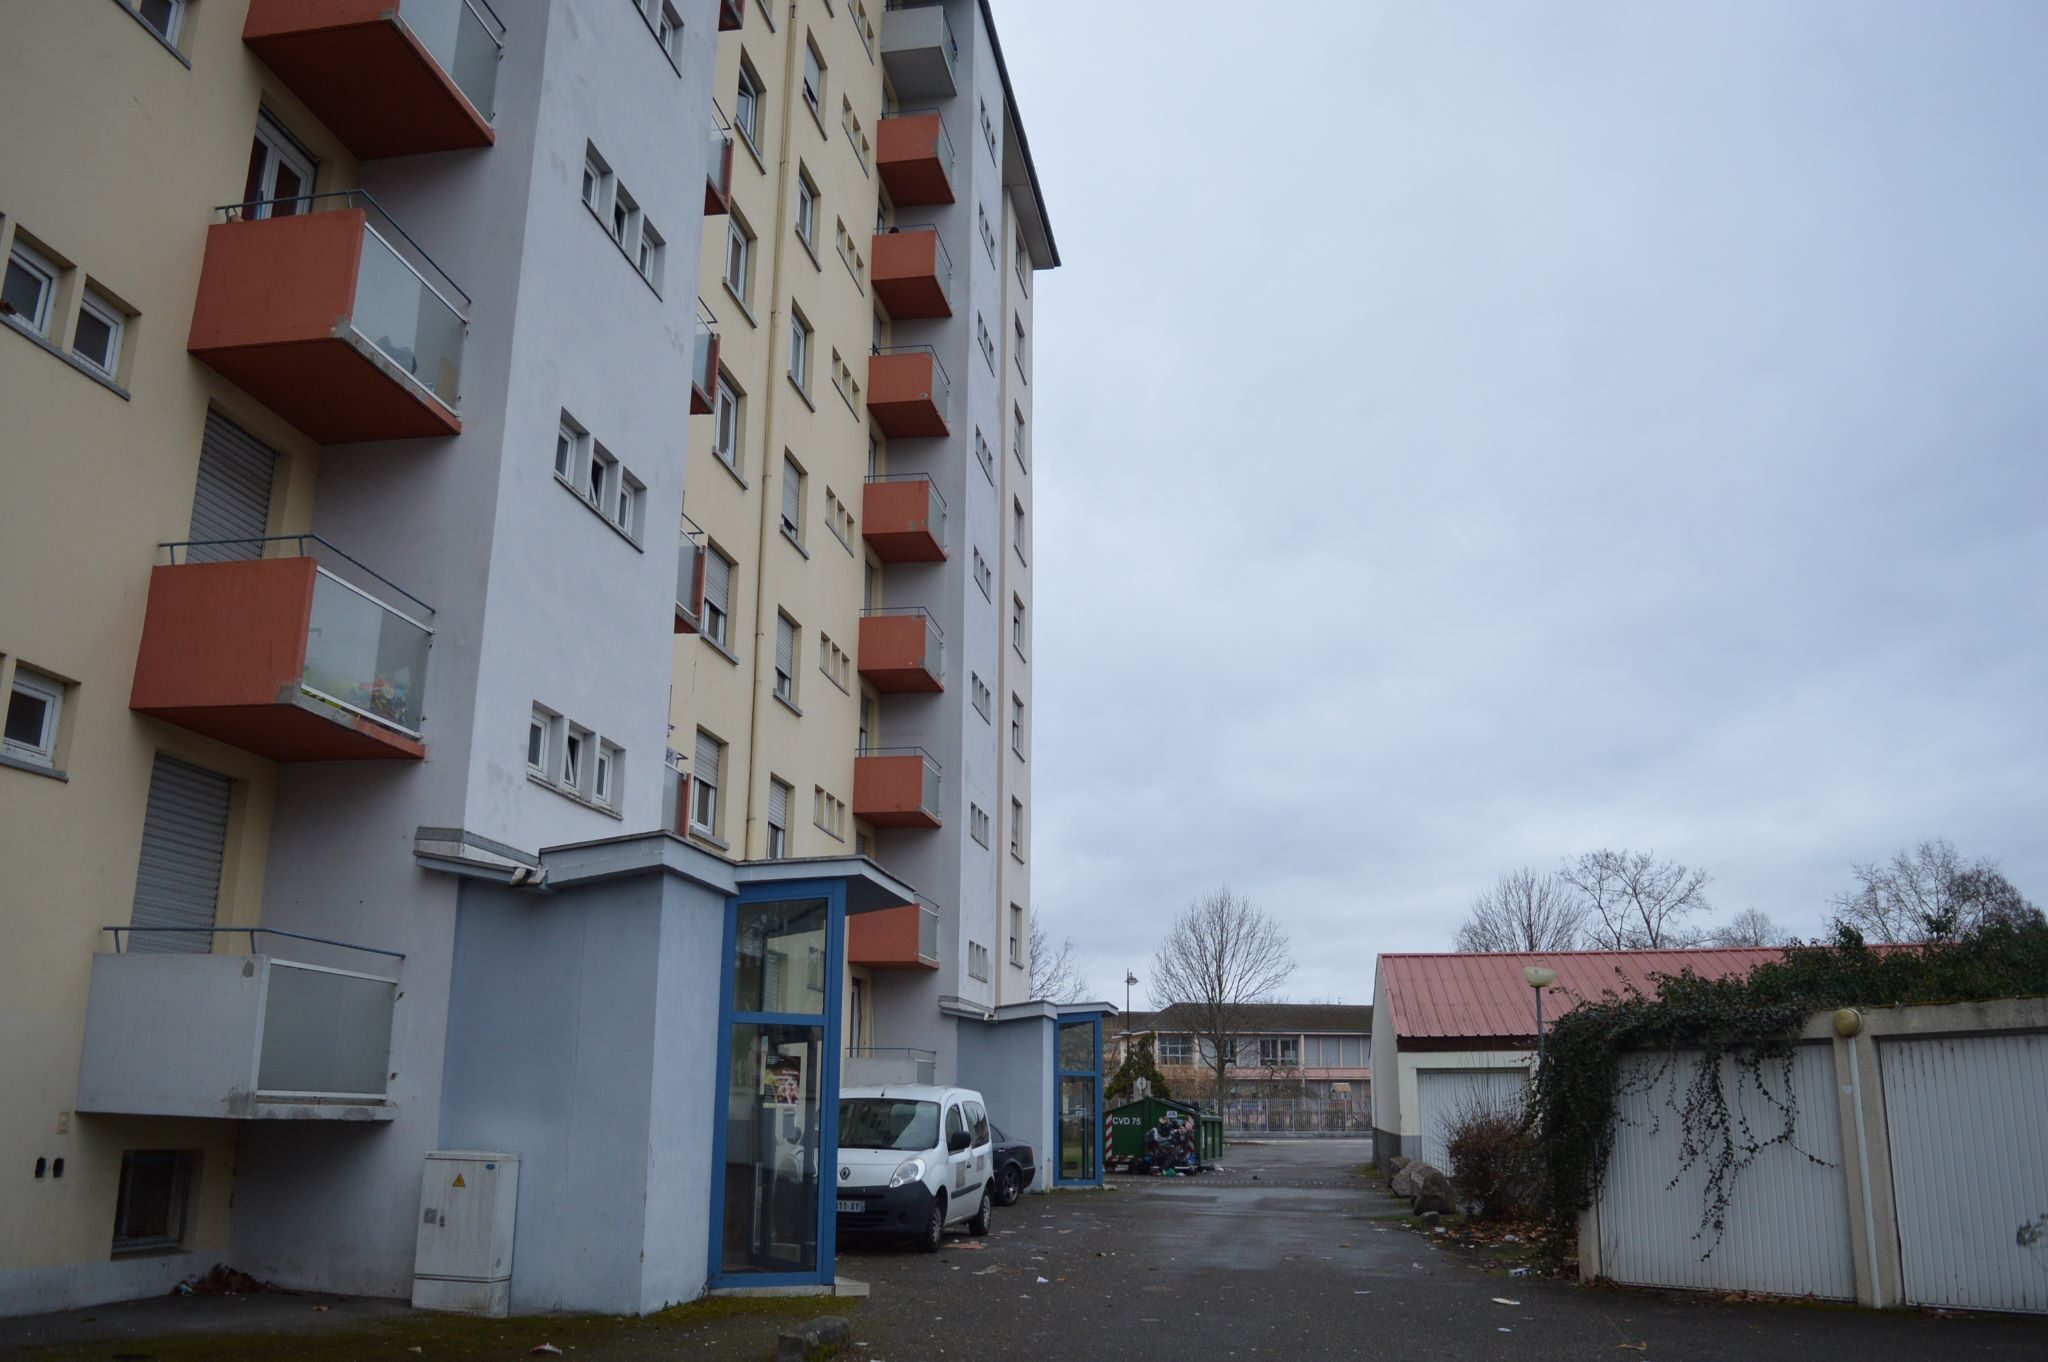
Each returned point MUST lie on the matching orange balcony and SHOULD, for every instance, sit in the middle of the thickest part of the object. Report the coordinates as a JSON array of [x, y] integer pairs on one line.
[[329, 319], [905, 937], [897, 787], [732, 15], [902, 650], [292, 658], [389, 77], [912, 274], [915, 158], [718, 175], [908, 391], [903, 518]]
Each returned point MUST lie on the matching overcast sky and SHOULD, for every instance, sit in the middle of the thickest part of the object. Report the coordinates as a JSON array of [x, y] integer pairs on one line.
[[1469, 434]]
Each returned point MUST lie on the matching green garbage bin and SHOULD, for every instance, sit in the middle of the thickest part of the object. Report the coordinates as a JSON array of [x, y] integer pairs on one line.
[[1129, 1122]]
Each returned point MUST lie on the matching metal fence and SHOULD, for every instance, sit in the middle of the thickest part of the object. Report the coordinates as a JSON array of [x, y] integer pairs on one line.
[[1246, 1117]]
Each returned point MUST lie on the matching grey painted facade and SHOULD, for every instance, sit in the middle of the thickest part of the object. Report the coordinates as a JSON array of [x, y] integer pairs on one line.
[[537, 599]]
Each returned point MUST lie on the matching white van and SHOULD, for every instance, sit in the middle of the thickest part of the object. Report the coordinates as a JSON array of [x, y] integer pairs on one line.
[[914, 1159]]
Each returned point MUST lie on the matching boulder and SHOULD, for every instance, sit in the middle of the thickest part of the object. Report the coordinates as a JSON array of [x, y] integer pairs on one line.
[[1396, 1164], [1405, 1179], [819, 1340], [1433, 1193]]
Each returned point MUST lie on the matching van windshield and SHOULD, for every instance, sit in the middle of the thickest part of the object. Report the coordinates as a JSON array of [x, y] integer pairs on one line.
[[885, 1123]]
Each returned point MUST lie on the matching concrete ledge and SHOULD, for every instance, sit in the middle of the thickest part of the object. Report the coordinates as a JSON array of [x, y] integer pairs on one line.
[[841, 1286], [825, 1337]]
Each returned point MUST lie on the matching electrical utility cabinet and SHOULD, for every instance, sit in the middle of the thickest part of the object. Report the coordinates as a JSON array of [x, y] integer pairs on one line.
[[464, 1259]]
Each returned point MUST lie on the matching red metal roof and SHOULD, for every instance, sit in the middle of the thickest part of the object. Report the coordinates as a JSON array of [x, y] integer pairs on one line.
[[1486, 996]]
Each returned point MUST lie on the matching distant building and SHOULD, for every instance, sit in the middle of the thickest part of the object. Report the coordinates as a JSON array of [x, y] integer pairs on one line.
[[1313, 1057], [1452, 1031]]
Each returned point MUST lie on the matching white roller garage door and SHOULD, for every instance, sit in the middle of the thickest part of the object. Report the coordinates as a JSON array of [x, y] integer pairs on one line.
[[1443, 1095]]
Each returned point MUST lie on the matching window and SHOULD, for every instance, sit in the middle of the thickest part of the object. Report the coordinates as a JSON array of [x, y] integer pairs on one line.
[[834, 662], [1017, 527], [668, 30], [1175, 1050], [839, 518], [627, 500], [746, 105], [984, 699], [865, 27], [595, 473], [849, 251], [576, 760], [985, 341], [150, 1205], [977, 823], [1017, 437], [800, 352], [717, 594], [785, 658], [855, 138], [1335, 1052], [988, 233], [571, 448], [650, 254], [595, 174], [280, 173], [778, 818], [30, 288], [988, 132], [704, 784], [977, 960], [1278, 1050], [867, 723], [1016, 725], [1019, 349], [1016, 935], [814, 81], [984, 576], [1017, 624], [807, 211], [34, 706], [166, 17], [984, 456], [792, 499], [726, 440], [540, 741], [1017, 828], [624, 213], [604, 786], [739, 258], [828, 813], [1023, 267]]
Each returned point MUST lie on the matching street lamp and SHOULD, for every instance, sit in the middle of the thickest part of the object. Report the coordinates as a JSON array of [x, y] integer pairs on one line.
[[1129, 979], [1539, 977]]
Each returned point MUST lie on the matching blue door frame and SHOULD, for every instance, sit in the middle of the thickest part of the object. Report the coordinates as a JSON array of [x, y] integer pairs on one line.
[[833, 892], [1060, 1075]]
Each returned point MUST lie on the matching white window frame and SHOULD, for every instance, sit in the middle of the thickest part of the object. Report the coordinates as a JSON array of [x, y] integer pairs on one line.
[[596, 476], [575, 747], [1016, 723], [1017, 624], [653, 248], [1016, 935], [36, 264], [174, 22], [43, 751], [800, 334], [984, 698], [778, 833], [978, 823], [785, 681], [668, 31], [629, 496], [704, 792], [717, 623], [596, 181], [984, 577], [814, 80], [747, 99], [1016, 827], [569, 448], [542, 722], [281, 149], [739, 245], [807, 211], [726, 435], [604, 787]]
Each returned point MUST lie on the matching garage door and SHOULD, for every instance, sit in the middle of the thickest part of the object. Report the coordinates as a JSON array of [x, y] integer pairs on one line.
[[1970, 1168], [1786, 1228], [1444, 1095]]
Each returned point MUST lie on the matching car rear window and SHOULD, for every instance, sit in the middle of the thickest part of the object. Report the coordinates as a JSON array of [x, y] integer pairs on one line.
[[887, 1123]]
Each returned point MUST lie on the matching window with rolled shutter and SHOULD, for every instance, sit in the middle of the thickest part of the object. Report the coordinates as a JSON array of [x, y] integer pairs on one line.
[[717, 594], [792, 497], [704, 782], [778, 818], [785, 658], [231, 499], [184, 841]]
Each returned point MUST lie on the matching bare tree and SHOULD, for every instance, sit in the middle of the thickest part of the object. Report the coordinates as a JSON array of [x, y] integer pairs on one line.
[[1750, 927], [1055, 973], [1221, 961], [1929, 893], [1524, 911], [1636, 902]]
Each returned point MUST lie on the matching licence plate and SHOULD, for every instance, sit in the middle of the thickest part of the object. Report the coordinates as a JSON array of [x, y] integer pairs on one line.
[[855, 1206]]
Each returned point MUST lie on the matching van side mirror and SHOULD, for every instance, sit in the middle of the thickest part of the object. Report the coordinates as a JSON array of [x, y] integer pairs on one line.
[[957, 1141]]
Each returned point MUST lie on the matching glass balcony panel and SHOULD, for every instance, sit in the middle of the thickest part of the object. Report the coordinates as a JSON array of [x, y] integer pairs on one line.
[[928, 932], [364, 656], [325, 1032], [407, 320], [465, 45]]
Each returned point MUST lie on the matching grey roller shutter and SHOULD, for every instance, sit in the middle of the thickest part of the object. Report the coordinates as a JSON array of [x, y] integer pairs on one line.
[[792, 492], [785, 647], [778, 804], [718, 580], [707, 759], [184, 839], [232, 497]]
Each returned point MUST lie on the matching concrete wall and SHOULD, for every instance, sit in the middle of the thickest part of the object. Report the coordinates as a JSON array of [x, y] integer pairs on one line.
[[1010, 1062]]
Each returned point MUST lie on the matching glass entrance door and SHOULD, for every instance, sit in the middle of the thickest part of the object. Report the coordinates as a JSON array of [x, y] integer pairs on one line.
[[1080, 1100], [779, 1086]]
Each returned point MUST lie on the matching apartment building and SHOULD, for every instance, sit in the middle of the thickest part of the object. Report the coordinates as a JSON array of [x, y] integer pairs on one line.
[[853, 626]]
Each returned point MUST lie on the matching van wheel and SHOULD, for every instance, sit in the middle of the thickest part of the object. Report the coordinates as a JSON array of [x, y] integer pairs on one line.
[[984, 1214], [934, 1228], [1009, 1185]]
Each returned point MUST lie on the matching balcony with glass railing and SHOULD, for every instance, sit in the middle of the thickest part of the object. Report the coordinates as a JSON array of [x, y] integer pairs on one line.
[[914, 156], [324, 310], [704, 364], [912, 273], [919, 50], [388, 77], [285, 647], [175, 1028], [897, 787], [904, 937], [909, 393], [902, 650], [903, 518]]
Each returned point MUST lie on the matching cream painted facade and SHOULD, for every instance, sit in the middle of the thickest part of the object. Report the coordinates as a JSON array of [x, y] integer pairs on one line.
[[99, 474]]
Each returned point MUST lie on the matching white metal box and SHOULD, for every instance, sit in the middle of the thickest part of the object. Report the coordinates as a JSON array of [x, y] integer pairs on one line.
[[464, 1257]]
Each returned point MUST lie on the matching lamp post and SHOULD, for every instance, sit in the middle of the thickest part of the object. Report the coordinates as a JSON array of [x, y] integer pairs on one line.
[[1539, 977], [1129, 979]]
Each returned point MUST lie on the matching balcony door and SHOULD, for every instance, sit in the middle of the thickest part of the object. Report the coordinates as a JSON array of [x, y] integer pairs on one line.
[[280, 173]]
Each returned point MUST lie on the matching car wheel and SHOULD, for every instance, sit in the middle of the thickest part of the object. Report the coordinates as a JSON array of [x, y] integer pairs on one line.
[[934, 1228], [1009, 1185], [983, 1215]]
